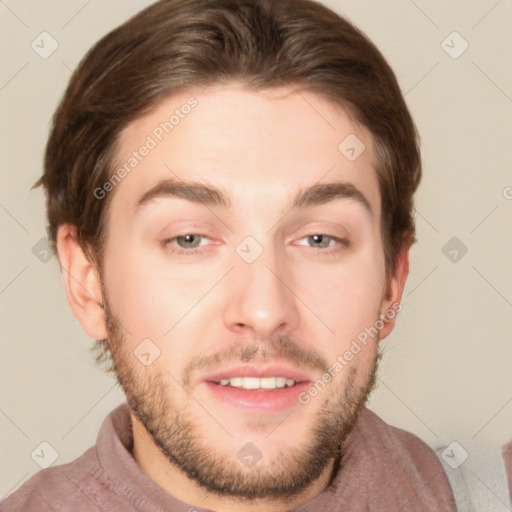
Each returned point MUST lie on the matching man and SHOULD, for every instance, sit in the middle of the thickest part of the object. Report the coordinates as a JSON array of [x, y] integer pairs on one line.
[[229, 191]]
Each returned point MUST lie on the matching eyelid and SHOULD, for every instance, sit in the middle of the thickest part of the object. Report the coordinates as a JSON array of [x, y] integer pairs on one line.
[[340, 241], [336, 232], [168, 239], [323, 233], [185, 227], [328, 228]]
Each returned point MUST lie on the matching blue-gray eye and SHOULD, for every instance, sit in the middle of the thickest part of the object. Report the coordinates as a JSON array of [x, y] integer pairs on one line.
[[189, 241], [320, 241]]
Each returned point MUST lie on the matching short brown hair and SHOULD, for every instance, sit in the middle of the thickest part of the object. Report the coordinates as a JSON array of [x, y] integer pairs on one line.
[[178, 44]]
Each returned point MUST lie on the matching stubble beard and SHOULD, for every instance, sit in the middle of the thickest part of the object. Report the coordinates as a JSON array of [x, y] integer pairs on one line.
[[174, 429]]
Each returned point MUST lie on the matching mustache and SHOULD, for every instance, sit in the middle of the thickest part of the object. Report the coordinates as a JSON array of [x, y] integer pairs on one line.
[[280, 347]]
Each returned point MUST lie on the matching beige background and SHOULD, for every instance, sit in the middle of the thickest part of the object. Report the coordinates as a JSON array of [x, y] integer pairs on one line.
[[446, 373]]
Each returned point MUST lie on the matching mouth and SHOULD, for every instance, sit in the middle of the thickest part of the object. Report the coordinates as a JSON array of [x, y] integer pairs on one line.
[[255, 383], [257, 389]]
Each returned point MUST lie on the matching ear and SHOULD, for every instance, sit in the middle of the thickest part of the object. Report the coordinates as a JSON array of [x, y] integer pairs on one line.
[[395, 287], [81, 282]]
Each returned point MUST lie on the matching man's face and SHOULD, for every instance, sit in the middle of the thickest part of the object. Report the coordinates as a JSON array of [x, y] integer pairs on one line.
[[216, 300]]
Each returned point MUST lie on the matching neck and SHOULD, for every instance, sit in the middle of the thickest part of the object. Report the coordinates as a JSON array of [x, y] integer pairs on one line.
[[154, 463]]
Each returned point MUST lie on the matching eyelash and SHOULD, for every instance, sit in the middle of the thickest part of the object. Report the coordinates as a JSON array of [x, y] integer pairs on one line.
[[180, 251], [342, 244]]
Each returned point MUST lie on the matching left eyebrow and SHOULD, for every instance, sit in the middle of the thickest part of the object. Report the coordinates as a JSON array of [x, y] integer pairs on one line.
[[210, 195], [322, 193]]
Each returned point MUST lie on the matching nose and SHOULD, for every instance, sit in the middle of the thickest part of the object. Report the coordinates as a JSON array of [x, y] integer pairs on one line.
[[260, 301]]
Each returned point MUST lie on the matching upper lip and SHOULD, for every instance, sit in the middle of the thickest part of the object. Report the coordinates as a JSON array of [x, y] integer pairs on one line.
[[259, 371]]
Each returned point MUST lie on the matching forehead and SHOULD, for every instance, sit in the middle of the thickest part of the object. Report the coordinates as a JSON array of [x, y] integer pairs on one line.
[[259, 147]]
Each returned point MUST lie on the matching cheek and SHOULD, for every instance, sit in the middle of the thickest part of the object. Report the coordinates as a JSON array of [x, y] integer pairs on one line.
[[139, 296], [155, 300], [346, 296]]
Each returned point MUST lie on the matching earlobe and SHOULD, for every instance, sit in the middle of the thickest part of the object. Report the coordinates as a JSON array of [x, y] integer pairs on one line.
[[81, 282], [391, 303]]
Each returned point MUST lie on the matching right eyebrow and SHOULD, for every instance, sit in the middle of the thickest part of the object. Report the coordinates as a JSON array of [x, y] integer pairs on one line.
[[191, 191]]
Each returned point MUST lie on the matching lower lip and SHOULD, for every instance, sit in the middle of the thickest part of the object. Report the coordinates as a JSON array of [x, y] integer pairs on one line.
[[258, 401]]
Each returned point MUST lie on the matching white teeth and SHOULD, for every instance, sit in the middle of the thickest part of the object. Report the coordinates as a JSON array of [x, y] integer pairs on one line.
[[257, 383], [268, 382], [280, 382], [251, 383], [236, 381]]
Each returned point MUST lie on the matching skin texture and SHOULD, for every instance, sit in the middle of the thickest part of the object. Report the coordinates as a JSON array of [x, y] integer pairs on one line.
[[301, 302]]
